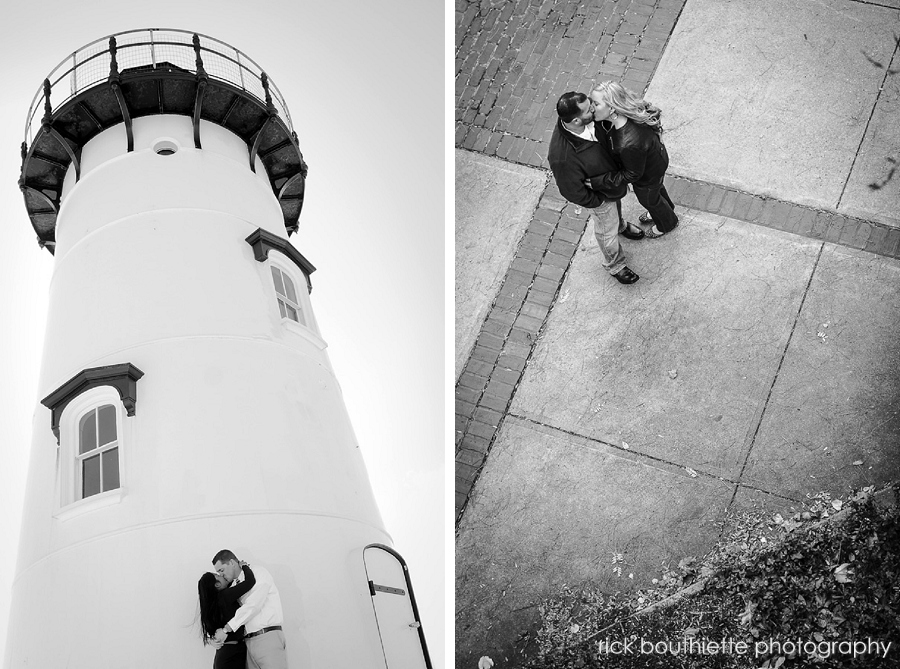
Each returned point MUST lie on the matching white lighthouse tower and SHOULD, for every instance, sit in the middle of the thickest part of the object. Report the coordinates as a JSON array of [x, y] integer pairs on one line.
[[187, 403]]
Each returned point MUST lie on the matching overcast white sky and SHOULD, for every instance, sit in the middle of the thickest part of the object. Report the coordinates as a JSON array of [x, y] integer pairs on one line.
[[354, 76]]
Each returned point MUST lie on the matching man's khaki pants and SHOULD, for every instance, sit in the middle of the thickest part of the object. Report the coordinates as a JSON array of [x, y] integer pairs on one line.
[[608, 222], [267, 651]]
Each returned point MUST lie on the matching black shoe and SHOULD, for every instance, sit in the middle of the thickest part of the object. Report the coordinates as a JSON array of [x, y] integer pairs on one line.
[[632, 232], [625, 275]]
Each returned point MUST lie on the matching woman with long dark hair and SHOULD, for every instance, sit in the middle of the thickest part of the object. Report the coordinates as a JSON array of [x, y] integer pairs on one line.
[[635, 136], [218, 603]]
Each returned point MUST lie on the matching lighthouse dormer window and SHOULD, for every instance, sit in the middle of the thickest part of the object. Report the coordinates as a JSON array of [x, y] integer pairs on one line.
[[92, 439], [88, 416], [98, 452], [287, 296], [290, 273]]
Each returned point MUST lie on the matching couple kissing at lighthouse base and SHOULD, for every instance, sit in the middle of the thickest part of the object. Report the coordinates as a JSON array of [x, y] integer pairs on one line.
[[241, 615]]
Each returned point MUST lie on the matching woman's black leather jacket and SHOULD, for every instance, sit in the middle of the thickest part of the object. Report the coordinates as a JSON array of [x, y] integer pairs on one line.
[[640, 153]]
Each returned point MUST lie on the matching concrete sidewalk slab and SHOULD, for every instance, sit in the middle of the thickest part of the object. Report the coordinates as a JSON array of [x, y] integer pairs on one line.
[[714, 307], [835, 400], [494, 203], [739, 309], [773, 97], [552, 509], [873, 190]]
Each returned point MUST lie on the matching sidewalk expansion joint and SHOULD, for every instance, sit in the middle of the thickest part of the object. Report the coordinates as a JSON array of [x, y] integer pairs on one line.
[[641, 457], [887, 72], [750, 440], [509, 333]]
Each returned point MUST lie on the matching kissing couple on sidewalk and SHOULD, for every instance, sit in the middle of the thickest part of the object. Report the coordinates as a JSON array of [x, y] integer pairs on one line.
[[602, 143]]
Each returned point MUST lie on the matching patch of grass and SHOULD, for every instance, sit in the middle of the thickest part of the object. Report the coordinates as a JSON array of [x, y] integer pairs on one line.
[[775, 592]]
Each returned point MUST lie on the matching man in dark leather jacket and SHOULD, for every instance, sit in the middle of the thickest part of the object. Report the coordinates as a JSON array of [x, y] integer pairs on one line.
[[579, 151]]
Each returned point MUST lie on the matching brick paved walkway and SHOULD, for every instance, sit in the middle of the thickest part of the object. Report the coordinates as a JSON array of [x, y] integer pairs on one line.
[[486, 385], [513, 59]]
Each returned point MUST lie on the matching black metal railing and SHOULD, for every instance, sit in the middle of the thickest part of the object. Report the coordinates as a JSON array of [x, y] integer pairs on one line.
[[149, 48]]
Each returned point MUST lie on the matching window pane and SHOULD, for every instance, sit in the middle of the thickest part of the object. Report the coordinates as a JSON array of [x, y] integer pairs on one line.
[[292, 313], [106, 417], [281, 309], [87, 433], [291, 294], [110, 469], [279, 284], [90, 476]]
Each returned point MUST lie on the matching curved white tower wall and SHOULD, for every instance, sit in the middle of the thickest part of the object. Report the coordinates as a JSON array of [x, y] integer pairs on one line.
[[236, 435]]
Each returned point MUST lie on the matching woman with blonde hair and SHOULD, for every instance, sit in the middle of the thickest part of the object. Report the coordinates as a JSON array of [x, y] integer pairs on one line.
[[634, 133]]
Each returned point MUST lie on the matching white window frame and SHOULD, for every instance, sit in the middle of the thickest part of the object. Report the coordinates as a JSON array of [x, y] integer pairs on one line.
[[96, 450], [284, 301], [69, 472], [309, 329]]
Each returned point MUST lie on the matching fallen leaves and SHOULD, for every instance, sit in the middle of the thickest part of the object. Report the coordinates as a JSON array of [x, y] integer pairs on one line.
[[842, 573], [787, 524], [823, 582], [747, 616]]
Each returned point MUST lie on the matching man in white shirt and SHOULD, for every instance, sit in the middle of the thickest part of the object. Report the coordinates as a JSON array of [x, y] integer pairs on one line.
[[260, 614]]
